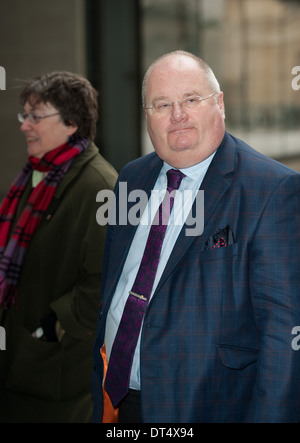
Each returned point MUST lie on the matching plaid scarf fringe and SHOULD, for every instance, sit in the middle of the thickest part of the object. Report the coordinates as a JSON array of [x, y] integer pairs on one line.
[[13, 249]]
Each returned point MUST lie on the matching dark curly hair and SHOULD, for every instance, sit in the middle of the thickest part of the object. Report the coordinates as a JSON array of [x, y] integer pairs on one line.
[[71, 94]]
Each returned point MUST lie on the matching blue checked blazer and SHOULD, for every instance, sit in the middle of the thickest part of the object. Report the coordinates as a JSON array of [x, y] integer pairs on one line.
[[216, 343]]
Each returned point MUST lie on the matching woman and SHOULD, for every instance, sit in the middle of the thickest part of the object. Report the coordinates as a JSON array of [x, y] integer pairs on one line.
[[50, 255]]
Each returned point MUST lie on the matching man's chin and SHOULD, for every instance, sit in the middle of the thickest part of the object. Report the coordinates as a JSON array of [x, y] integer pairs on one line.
[[180, 140]]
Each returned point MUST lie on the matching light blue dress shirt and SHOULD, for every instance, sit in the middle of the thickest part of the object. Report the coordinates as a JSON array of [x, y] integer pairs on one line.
[[181, 208]]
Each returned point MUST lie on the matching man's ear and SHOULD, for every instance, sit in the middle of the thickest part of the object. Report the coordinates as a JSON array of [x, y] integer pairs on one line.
[[221, 104]]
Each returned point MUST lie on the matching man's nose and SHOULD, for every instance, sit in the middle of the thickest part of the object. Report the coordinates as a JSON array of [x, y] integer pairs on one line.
[[178, 112]]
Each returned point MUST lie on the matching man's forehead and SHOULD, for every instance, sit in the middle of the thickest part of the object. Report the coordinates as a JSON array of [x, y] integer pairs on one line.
[[176, 71], [177, 62]]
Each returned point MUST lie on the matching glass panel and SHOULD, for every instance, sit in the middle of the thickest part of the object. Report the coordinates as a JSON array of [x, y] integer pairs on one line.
[[253, 48]]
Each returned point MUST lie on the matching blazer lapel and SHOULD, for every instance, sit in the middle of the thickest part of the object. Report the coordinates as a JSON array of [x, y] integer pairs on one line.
[[215, 183]]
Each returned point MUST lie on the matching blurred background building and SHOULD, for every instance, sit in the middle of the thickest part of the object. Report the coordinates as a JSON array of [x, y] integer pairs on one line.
[[252, 45]]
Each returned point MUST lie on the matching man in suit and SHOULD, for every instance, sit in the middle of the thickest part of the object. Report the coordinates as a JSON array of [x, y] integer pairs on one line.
[[216, 339]]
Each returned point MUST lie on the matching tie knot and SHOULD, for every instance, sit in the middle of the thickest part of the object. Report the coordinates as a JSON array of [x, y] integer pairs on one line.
[[174, 179]]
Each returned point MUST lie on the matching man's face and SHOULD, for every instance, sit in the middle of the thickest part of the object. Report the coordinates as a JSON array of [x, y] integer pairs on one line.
[[183, 137]]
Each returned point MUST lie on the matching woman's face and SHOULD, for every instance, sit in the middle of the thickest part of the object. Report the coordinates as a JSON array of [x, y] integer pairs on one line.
[[48, 133]]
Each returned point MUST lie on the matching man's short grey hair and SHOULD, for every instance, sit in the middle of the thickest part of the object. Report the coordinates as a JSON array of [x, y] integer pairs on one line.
[[208, 72]]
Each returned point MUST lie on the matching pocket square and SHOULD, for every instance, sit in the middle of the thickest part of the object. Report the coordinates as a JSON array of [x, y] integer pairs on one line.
[[223, 237]]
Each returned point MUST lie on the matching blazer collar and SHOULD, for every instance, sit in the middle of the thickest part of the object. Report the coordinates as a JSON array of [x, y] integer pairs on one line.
[[146, 177], [219, 176]]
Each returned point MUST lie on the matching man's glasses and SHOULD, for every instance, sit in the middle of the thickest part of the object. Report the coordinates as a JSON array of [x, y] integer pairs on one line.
[[188, 103], [33, 118]]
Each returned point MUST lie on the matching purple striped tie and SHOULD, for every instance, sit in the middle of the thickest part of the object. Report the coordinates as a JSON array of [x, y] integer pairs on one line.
[[121, 357]]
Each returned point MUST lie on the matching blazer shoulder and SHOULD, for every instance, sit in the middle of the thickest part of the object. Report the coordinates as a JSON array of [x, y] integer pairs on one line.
[[141, 166], [250, 160]]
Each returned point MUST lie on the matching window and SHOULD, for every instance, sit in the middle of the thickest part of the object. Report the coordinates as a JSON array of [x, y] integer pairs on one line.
[[253, 47]]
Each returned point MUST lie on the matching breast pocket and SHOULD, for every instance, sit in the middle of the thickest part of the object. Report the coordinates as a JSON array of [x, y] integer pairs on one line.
[[217, 269], [217, 254], [215, 280]]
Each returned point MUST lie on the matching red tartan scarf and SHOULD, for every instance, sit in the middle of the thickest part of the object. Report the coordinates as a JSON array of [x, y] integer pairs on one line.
[[13, 245]]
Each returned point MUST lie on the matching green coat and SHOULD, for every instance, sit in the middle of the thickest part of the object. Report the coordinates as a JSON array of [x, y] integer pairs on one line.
[[50, 381]]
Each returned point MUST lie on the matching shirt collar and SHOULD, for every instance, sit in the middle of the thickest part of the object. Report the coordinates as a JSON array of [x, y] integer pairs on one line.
[[195, 171]]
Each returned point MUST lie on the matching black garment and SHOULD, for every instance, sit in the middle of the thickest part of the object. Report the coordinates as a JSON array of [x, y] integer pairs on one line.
[[130, 409]]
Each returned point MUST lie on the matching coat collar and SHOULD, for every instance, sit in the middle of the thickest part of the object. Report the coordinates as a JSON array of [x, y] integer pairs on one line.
[[78, 163]]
